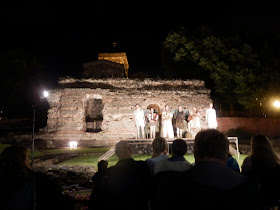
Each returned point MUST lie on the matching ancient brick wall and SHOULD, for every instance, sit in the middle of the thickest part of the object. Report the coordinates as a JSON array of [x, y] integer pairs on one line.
[[115, 99], [265, 126]]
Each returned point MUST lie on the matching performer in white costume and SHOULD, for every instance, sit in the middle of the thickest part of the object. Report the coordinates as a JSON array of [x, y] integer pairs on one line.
[[167, 127], [139, 121], [211, 118]]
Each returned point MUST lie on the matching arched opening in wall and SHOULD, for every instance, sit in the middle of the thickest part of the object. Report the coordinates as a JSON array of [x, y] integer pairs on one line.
[[94, 116], [158, 125]]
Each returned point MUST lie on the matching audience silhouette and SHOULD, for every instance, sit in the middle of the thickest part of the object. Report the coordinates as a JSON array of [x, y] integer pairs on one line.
[[21, 187], [209, 184], [160, 152], [214, 181], [263, 169], [126, 184], [176, 162]]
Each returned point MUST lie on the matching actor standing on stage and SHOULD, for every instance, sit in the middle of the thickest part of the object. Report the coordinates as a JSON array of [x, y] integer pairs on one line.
[[180, 122], [139, 121], [194, 122], [211, 117], [167, 127], [152, 120]]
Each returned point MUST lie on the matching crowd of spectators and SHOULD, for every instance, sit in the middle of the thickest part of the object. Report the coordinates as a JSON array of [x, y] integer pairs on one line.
[[213, 181]]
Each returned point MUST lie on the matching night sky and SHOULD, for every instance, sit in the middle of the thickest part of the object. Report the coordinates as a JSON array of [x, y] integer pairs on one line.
[[64, 35]]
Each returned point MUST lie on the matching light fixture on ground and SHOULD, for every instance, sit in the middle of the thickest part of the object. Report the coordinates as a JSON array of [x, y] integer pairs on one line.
[[44, 94], [73, 144]]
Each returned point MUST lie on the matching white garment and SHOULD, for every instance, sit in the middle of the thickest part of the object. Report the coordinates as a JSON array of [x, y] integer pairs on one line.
[[167, 127], [211, 118], [139, 117]]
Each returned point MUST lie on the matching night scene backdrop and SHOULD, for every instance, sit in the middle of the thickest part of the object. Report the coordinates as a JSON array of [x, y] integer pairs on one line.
[[44, 40]]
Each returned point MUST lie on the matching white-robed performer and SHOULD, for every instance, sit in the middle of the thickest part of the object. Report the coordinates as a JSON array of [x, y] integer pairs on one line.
[[139, 121], [167, 127], [211, 117], [152, 120]]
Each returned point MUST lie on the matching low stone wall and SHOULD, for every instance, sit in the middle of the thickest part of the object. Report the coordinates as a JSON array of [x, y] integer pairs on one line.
[[266, 126]]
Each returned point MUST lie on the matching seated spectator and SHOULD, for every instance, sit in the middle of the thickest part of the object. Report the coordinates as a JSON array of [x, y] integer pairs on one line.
[[232, 163], [209, 184], [176, 162], [97, 194], [21, 187], [160, 153], [126, 184], [263, 167]]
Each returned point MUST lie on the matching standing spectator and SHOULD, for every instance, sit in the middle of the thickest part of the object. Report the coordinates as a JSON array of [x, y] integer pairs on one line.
[[160, 152], [211, 118], [139, 121], [180, 117], [152, 120], [176, 162]]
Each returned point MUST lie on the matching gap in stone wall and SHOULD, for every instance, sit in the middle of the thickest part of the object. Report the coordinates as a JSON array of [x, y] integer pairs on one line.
[[94, 116]]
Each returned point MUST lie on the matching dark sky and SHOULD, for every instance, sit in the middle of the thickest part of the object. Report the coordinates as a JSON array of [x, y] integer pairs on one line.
[[64, 35]]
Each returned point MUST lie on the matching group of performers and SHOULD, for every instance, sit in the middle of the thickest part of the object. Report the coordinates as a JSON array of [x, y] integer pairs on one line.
[[167, 117]]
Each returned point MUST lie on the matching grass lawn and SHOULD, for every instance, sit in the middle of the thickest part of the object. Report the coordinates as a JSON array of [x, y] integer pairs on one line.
[[36, 152], [92, 160]]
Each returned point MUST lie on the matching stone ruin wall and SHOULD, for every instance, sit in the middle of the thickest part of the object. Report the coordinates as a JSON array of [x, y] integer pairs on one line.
[[68, 104]]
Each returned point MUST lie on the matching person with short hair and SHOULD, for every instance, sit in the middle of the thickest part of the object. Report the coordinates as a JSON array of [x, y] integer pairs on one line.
[[126, 183], [209, 184], [160, 152], [176, 162]]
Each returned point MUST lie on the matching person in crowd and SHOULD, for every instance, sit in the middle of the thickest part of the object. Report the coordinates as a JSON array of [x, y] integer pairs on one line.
[[139, 121], [209, 184], [232, 163], [97, 197], [176, 162], [263, 166], [194, 122], [21, 187], [167, 127], [152, 118], [160, 152], [211, 118], [179, 122], [126, 184]]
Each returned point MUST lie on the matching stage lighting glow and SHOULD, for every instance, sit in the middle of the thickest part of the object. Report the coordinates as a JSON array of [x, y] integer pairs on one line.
[[45, 93], [73, 144], [276, 104]]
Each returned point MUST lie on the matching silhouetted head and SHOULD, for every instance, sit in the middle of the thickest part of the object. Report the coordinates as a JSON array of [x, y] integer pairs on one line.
[[123, 150], [179, 147], [211, 144], [159, 145], [263, 155]]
